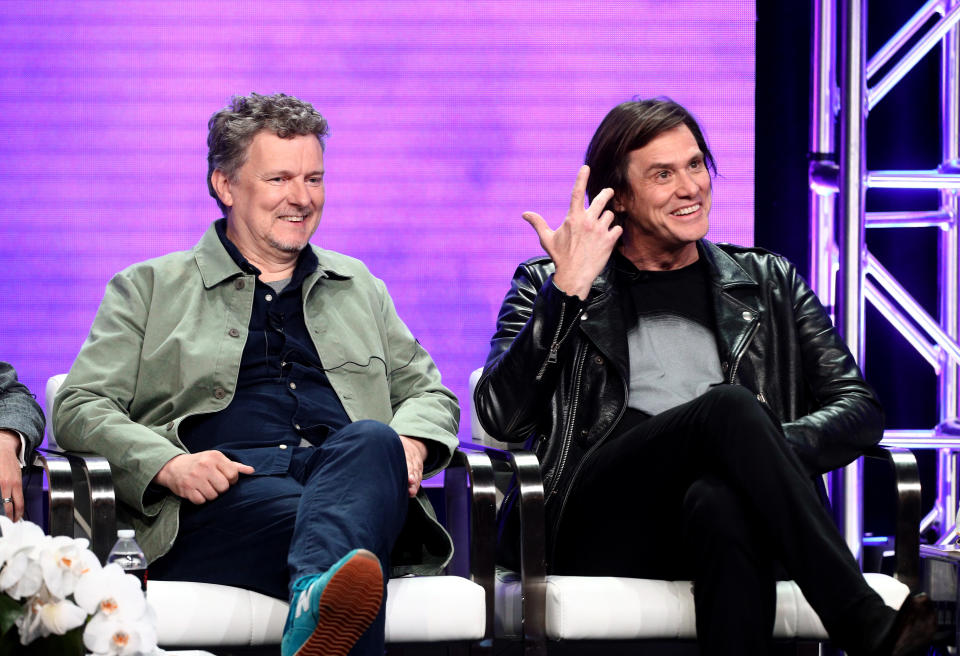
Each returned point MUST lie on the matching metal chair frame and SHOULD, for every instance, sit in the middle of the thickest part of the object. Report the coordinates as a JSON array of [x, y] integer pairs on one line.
[[81, 503], [533, 575]]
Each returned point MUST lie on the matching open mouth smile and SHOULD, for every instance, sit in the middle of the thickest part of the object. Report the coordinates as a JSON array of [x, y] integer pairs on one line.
[[684, 211]]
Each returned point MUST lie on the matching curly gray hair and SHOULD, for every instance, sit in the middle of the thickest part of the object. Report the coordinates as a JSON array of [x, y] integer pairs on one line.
[[233, 128]]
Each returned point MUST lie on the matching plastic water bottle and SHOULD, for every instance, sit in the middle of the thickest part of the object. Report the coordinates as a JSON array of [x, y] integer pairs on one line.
[[129, 556]]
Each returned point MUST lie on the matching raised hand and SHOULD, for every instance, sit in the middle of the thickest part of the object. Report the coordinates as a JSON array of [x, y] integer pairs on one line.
[[582, 244], [200, 477]]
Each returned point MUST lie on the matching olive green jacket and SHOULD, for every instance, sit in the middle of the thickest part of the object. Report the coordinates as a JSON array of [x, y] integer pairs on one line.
[[166, 344]]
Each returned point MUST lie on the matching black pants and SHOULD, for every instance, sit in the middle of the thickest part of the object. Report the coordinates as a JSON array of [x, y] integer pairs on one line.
[[711, 491]]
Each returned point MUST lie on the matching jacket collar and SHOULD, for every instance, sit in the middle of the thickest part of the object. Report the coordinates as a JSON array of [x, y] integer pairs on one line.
[[723, 269], [606, 327], [217, 265]]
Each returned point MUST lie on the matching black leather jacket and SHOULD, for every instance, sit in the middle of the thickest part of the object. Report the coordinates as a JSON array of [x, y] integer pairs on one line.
[[557, 372]]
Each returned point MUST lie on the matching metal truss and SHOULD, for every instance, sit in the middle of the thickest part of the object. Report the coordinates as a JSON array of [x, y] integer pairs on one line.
[[839, 181]]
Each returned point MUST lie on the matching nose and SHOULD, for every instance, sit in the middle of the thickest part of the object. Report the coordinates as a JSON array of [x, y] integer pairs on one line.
[[687, 185], [297, 193]]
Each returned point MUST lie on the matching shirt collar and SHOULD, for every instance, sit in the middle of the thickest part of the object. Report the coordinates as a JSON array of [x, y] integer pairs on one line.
[[307, 261], [217, 263]]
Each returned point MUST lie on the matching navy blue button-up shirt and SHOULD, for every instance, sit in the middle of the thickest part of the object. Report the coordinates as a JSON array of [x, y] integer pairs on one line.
[[283, 394]]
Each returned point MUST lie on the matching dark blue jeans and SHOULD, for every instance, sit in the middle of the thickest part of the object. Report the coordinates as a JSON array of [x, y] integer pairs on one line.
[[300, 512]]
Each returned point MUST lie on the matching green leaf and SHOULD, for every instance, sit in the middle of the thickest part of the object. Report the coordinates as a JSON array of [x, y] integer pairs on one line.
[[10, 610]]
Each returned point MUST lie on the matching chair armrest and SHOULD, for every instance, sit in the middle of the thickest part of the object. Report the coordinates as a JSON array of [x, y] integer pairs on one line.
[[471, 518], [533, 562], [85, 480], [60, 494], [907, 538]]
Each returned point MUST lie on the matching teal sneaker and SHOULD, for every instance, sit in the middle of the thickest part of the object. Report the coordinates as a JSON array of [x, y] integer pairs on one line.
[[330, 611]]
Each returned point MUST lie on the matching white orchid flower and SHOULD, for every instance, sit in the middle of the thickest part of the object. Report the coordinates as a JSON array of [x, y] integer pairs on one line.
[[111, 592], [112, 636], [63, 561], [61, 616], [29, 624], [21, 575], [42, 617]]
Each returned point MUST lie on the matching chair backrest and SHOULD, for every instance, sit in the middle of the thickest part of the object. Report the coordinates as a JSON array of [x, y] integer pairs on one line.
[[477, 433], [53, 384]]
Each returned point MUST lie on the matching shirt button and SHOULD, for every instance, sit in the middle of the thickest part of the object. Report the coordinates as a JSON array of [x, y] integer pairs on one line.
[[283, 446], [269, 297], [233, 332], [747, 315], [239, 283], [297, 426], [293, 386], [219, 393]]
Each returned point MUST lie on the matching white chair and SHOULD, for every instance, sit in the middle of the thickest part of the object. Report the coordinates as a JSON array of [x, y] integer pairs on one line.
[[453, 609], [536, 608]]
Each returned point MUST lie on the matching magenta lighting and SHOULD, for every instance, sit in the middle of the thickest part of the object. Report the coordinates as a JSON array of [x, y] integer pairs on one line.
[[839, 182]]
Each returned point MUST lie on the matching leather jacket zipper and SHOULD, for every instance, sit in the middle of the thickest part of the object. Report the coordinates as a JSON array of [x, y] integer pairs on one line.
[[568, 437], [557, 341], [586, 456], [743, 349], [555, 345]]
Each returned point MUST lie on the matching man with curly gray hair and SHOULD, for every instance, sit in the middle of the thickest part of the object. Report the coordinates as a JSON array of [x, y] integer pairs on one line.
[[267, 415]]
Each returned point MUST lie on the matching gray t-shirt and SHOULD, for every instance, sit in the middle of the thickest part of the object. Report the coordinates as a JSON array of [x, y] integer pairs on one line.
[[672, 345]]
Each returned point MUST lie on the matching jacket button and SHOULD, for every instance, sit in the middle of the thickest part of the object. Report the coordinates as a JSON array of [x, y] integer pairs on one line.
[[747, 315], [283, 446], [598, 360], [583, 317], [239, 283], [583, 433], [233, 332], [219, 393], [293, 386], [724, 365]]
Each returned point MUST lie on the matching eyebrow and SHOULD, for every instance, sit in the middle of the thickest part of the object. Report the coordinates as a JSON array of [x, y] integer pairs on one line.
[[669, 165], [274, 173]]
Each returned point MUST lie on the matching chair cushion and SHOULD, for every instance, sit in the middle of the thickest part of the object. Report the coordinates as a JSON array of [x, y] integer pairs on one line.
[[419, 609], [612, 608], [434, 609]]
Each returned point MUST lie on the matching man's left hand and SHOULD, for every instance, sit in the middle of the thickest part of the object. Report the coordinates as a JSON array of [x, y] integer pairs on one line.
[[416, 453], [11, 486]]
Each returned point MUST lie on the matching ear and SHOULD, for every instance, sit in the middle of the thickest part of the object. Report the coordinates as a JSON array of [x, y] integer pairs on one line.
[[617, 205], [221, 184]]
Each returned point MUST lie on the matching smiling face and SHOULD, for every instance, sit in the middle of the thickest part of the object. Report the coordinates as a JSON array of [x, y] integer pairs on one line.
[[275, 199], [669, 204]]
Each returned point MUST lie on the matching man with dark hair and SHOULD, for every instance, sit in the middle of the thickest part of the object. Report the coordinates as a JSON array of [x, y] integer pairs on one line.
[[702, 386], [21, 430], [266, 414]]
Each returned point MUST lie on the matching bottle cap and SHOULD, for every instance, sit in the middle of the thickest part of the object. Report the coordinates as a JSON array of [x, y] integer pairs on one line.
[[126, 533]]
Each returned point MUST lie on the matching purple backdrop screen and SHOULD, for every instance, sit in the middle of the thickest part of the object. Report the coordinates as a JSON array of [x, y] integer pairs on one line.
[[448, 120]]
